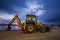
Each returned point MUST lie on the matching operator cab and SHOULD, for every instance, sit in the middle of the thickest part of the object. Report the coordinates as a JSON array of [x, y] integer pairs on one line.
[[30, 18]]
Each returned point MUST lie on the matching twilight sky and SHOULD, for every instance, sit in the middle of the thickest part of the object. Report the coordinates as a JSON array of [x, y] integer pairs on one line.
[[48, 11]]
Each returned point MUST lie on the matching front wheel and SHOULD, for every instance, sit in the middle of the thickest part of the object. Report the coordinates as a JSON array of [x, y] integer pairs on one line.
[[30, 28]]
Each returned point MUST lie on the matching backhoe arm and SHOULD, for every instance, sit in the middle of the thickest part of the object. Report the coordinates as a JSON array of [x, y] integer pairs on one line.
[[15, 18], [18, 22]]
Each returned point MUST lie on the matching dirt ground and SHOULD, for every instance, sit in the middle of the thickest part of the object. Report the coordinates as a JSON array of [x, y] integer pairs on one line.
[[54, 34]]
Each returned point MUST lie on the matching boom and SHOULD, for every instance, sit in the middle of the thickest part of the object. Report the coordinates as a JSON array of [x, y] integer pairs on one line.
[[15, 18]]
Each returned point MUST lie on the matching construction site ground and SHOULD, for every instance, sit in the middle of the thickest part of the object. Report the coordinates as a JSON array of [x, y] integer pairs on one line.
[[54, 34]]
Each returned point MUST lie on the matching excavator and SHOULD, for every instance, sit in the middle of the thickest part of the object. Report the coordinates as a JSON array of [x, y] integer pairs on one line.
[[31, 24]]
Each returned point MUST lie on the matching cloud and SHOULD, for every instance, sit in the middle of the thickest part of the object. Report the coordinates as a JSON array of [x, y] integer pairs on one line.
[[7, 5], [40, 12], [35, 7], [6, 16]]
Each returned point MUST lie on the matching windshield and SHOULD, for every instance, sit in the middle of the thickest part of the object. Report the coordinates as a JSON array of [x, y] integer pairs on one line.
[[29, 19], [34, 19]]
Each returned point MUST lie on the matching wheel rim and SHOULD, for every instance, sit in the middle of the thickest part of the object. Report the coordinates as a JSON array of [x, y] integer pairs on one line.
[[30, 28]]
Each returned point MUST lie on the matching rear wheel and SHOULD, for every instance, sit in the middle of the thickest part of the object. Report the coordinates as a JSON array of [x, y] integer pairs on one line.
[[47, 29], [43, 29]]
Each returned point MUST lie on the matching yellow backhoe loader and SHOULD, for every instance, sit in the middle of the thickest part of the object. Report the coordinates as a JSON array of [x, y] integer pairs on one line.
[[31, 24]]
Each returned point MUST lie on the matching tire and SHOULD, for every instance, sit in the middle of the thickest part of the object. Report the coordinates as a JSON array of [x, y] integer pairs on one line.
[[43, 29], [30, 28], [48, 29]]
